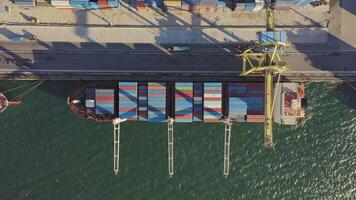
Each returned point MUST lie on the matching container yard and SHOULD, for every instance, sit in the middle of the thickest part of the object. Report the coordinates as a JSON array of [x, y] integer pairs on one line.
[[187, 5]]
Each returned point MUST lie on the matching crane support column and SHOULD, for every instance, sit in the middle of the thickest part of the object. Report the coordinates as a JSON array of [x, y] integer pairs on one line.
[[170, 147], [227, 147], [268, 136]]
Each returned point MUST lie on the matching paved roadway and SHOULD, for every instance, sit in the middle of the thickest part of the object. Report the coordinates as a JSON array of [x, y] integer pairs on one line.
[[115, 61]]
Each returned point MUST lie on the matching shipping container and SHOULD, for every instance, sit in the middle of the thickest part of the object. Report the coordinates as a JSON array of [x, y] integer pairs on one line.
[[271, 36], [197, 101], [249, 5], [283, 4], [172, 3], [240, 6], [183, 102], [24, 2], [237, 107], [80, 5], [104, 100], [302, 2], [259, 5], [62, 4], [128, 101], [212, 107], [154, 3], [143, 101], [156, 102], [255, 118]]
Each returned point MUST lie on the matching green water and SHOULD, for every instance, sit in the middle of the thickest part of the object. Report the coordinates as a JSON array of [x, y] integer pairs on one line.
[[46, 152]]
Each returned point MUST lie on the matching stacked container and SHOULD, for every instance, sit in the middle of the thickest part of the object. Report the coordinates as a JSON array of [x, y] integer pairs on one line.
[[154, 3], [196, 5], [90, 100], [62, 4], [140, 5], [127, 100], [249, 5], [156, 101], [237, 101], [142, 101], [183, 102], [24, 2], [175, 4], [212, 102], [283, 4], [85, 4], [259, 5], [240, 6], [271, 36], [113, 3], [255, 118], [302, 2], [198, 102], [104, 99], [221, 4], [79, 4], [255, 98]]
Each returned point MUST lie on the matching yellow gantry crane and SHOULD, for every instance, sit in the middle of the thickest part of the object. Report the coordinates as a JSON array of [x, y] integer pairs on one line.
[[264, 60]]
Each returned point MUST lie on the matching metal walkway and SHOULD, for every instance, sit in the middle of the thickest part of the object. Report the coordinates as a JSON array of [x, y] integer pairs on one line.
[[116, 123], [228, 125], [170, 147]]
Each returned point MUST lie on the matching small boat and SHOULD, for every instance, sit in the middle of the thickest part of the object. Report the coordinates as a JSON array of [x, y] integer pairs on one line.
[[4, 103]]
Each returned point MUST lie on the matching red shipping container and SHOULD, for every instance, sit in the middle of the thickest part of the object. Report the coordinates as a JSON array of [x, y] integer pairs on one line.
[[212, 98], [211, 120], [156, 87], [127, 109], [128, 87], [212, 109], [103, 3], [255, 118], [104, 98]]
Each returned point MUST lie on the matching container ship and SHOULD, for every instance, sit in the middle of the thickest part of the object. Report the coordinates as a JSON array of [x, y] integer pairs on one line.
[[187, 102]]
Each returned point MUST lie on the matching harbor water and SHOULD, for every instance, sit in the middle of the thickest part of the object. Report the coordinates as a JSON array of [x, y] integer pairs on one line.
[[46, 152]]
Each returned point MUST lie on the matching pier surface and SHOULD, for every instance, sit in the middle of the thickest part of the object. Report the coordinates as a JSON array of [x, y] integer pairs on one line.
[[320, 51]]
